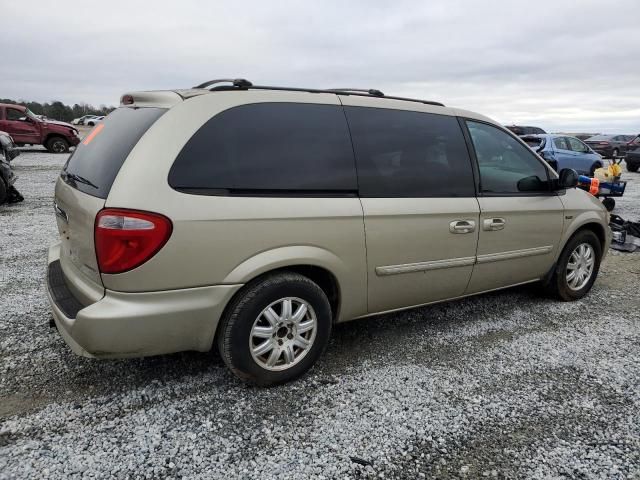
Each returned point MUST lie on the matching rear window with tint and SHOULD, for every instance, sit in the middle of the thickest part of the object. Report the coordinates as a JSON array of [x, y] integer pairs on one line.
[[269, 148], [534, 142], [409, 154], [94, 164]]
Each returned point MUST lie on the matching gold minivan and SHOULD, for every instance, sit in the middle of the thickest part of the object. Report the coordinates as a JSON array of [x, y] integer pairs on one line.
[[255, 218]]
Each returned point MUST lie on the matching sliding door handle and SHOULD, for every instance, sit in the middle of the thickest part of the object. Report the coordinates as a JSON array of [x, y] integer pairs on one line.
[[462, 226], [490, 224]]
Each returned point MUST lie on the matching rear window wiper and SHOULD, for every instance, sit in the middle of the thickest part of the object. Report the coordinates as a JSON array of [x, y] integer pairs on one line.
[[78, 178]]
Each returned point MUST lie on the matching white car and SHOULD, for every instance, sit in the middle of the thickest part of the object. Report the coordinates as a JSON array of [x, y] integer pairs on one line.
[[82, 120], [93, 121]]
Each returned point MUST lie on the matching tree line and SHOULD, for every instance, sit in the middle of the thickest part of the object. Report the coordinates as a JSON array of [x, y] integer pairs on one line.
[[57, 110]]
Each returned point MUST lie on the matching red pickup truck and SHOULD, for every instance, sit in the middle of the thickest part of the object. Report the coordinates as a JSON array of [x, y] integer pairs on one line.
[[26, 128]]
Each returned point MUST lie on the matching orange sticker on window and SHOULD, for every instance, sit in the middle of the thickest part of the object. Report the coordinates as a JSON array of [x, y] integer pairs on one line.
[[93, 134]]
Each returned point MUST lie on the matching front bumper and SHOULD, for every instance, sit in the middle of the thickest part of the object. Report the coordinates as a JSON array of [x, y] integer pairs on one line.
[[136, 324]]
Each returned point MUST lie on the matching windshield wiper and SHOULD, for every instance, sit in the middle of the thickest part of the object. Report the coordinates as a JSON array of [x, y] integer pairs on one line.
[[77, 178]]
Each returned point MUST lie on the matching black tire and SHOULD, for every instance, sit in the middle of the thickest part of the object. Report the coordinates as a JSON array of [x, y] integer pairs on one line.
[[632, 167], [558, 285], [91, 124], [234, 332], [594, 167], [609, 203], [4, 191], [13, 195], [615, 153], [57, 145]]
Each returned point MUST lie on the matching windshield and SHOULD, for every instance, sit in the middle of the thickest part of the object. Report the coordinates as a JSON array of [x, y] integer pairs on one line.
[[30, 114]]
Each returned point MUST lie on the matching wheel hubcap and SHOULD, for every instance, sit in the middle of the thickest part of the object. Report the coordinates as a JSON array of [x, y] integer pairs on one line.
[[580, 266], [283, 333], [58, 147]]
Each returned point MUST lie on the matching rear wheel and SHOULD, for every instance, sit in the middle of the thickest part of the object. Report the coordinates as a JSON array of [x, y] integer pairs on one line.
[[57, 145], [615, 153], [577, 267], [275, 329], [632, 167]]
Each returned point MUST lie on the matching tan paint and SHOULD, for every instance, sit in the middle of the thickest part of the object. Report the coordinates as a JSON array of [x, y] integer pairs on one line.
[[530, 223], [403, 231], [386, 254]]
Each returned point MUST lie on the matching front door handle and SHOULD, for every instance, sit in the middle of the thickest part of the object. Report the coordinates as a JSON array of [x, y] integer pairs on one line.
[[490, 224], [462, 226]]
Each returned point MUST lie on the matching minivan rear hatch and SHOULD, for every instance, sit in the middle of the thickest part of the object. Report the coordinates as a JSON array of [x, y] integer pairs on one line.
[[83, 187]]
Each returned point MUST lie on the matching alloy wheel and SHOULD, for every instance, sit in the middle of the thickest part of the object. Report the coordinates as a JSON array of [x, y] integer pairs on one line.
[[580, 266], [58, 146], [283, 333]]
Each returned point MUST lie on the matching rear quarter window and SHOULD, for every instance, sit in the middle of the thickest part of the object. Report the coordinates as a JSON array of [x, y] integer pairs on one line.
[[96, 161], [263, 148]]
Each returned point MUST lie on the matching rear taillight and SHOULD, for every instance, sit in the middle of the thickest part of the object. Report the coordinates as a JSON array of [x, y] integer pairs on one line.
[[125, 239]]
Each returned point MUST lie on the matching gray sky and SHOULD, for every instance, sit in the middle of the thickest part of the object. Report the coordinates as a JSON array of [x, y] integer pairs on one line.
[[561, 65]]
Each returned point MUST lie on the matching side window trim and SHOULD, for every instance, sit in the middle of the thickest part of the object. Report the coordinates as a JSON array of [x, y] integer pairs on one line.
[[474, 158], [477, 186]]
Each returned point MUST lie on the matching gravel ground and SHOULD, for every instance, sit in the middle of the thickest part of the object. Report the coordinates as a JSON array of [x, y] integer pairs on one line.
[[505, 385]]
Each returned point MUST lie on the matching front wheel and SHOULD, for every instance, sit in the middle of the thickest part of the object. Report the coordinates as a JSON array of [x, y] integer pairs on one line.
[[275, 329], [577, 267], [57, 145]]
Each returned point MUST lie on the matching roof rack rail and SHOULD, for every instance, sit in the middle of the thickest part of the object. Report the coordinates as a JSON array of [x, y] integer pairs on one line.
[[236, 82], [242, 84], [370, 91]]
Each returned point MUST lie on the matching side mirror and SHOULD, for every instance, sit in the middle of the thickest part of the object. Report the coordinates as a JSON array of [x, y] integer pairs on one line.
[[568, 178], [531, 184]]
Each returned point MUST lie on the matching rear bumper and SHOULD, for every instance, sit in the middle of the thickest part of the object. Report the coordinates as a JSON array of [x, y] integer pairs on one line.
[[604, 151], [136, 324]]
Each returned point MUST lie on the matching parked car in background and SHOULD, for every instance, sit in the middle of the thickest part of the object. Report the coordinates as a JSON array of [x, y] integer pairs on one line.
[[82, 120], [562, 151], [249, 226], [8, 151], [519, 130], [632, 157], [26, 129], [92, 122], [609, 146]]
